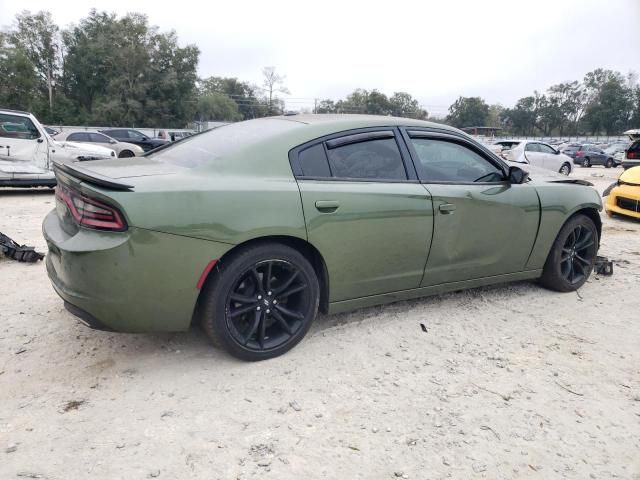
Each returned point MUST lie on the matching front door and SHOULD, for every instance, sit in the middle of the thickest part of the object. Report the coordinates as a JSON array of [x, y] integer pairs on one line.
[[372, 224], [21, 140], [483, 225]]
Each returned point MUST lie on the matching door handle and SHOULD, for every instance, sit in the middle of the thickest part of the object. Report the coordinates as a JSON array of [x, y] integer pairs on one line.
[[327, 206], [447, 208]]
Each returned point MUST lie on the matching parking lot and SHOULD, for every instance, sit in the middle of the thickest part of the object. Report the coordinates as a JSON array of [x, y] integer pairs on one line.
[[506, 382]]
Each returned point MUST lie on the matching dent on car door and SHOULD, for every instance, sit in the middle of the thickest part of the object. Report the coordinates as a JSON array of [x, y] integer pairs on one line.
[[372, 225], [483, 225]]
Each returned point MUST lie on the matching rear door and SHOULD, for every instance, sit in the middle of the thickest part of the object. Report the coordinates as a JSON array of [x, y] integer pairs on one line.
[[550, 158], [483, 225], [365, 211]]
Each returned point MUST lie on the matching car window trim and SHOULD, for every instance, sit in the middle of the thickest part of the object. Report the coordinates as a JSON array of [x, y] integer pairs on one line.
[[411, 132], [369, 134], [357, 138]]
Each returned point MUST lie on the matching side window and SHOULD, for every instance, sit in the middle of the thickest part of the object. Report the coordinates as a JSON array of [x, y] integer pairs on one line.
[[370, 159], [531, 147], [313, 162], [14, 126], [445, 161], [78, 137], [135, 135], [98, 138], [545, 148]]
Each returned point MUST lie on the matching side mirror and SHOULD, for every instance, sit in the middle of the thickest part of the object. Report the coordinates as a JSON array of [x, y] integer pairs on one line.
[[517, 175]]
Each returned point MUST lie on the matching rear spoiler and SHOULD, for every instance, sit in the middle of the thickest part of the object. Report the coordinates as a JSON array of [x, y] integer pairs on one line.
[[91, 177]]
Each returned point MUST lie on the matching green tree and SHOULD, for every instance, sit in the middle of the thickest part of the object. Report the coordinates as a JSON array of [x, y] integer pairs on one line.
[[244, 94], [18, 78], [217, 106], [468, 111], [402, 104]]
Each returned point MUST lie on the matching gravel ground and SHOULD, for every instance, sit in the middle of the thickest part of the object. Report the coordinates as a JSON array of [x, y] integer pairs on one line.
[[508, 382]]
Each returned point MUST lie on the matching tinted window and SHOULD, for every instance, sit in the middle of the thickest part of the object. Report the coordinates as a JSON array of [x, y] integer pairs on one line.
[[443, 161], [135, 135], [372, 159], [78, 137], [98, 138], [313, 162], [209, 146], [14, 126]]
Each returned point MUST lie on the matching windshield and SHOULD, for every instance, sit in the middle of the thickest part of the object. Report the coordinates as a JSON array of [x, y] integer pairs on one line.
[[209, 146]]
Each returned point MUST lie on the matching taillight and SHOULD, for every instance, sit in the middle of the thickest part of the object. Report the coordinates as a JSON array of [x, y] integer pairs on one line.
[[91, 213], [635, 155], [580, 153]]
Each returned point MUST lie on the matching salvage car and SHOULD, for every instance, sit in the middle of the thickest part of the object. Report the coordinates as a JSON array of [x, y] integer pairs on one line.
[[631, 156], [121, 149], [27, 151], [251, 228], [623, 197], [539, 155]]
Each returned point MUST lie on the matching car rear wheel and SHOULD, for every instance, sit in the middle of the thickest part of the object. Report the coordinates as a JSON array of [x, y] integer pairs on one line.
[[586, 163], [126, 154], [609, 163], [572, 255], [565, 169], [261, 302]]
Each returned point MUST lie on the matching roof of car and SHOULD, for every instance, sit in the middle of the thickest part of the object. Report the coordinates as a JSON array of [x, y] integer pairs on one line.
[[358, 121]]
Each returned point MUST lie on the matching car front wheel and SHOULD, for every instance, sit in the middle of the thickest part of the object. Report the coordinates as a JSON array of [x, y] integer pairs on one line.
[[572, 255], [609, 163], [261, 302], [565, 169]]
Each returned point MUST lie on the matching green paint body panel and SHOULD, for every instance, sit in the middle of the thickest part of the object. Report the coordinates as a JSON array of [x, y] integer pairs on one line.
[[375, 244]]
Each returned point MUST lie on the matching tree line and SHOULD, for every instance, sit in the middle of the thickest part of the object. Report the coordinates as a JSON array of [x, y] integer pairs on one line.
[[122, 71], [605, 101]]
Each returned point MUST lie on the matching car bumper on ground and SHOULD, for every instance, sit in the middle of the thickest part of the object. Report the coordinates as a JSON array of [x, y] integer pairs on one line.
[[133, 281], [630, 163], [624, 200]]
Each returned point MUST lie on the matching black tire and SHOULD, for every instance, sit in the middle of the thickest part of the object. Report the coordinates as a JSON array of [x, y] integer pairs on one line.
[[569, 265], [565, 169], [609, 163], [126, 154], [586, 163], [271, 320]]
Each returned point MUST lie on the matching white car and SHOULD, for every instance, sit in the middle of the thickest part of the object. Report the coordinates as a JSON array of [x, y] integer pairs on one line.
[[27, 151], [122, 149], [539, 155]]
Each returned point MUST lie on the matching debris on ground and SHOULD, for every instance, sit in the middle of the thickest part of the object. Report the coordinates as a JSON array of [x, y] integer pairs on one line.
[[11, 249], [603, 266], [73, 405]]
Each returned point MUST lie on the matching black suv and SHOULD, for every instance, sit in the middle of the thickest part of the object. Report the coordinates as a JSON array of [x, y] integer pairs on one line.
[[134, 136]]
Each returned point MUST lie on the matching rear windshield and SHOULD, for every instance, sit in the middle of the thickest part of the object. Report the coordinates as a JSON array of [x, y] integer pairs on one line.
[[207, 147]]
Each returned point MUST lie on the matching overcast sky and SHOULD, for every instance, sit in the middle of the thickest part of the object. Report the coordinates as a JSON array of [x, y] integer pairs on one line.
[[437, 51]]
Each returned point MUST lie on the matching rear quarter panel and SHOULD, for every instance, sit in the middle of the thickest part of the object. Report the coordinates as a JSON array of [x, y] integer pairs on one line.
[[558, 202]]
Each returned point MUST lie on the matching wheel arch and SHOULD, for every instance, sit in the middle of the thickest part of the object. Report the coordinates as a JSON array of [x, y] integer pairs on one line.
[[593, 214], [309, 251]]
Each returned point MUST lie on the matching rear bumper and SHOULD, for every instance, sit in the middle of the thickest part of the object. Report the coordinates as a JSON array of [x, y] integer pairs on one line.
[[630, 163], [133, 281]]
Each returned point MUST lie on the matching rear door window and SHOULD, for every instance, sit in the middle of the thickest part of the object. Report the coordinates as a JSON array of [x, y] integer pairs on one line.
[[78, 137], [375, 159], [98, 138], [313, 162]]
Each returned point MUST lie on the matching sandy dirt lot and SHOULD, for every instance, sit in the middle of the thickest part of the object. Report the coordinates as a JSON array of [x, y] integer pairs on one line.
[[508, 382]]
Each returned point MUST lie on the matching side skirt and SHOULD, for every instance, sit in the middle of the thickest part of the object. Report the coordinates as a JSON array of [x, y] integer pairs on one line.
[[347, 305]]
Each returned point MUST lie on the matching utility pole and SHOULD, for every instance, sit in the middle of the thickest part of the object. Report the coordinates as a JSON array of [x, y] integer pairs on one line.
[[315, 105]]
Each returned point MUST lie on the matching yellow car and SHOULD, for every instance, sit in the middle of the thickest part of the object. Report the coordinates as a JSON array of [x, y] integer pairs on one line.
[[624, 195]]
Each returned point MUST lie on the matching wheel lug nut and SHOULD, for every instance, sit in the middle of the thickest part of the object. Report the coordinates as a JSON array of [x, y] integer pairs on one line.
[[258, 308], [275, 301], [268, 311], [268, 293], [259, 297]]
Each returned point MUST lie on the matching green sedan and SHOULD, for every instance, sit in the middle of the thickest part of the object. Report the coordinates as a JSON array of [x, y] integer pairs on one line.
[[252, 228]]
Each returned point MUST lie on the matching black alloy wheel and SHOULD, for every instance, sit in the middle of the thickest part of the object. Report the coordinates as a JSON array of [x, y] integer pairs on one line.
[[572, 255], [578, 255], [267, 305], [260, 301]]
